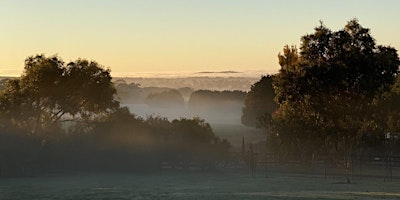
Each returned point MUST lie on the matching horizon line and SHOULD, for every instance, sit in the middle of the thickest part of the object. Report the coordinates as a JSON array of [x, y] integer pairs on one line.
[[175, 74]]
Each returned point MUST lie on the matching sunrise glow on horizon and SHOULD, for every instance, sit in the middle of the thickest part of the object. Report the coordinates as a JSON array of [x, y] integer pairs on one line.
[[165, 36]]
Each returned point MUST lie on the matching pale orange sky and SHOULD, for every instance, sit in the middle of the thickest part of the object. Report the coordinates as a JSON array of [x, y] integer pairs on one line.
[[177, 35]]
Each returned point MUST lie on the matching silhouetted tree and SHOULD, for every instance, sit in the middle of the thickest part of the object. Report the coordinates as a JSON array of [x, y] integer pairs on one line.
[[327, 92], [259, 102], [49, 92], [165, 99], [128, 93]]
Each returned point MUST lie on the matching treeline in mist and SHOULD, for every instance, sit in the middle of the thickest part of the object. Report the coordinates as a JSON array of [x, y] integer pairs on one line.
[[217, 107], [225, 82], [133, 93], [61, 117]]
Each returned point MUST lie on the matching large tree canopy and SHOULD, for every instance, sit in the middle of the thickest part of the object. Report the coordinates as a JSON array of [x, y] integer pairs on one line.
[[328, 90], [50, 91]]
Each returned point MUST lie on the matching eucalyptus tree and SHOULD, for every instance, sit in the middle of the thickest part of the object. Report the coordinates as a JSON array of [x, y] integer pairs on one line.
[[50, 92]]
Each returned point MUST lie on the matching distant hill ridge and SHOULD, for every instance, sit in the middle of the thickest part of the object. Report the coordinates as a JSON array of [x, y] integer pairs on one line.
[[220, 72]]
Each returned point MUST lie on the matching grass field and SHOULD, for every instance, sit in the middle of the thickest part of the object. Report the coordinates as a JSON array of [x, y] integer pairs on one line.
[[228, 184], [194, 185]]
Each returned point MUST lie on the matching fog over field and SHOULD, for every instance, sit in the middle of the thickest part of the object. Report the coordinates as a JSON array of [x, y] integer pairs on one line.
[[215, 110], [218, 100], [213, 116]]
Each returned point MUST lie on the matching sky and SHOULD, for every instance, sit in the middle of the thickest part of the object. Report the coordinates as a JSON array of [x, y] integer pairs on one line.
[[178, 36]]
